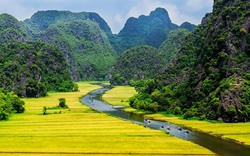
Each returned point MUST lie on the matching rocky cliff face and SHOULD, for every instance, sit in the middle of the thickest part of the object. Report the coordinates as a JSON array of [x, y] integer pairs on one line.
[[220, 64], [210, 76]]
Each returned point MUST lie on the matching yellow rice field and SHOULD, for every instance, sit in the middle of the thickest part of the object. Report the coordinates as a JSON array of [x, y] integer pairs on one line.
[[81, 131], [118, 96], [239, 132]]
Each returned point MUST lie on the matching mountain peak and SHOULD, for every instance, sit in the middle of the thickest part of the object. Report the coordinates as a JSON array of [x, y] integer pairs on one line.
[[162, 14], [188, 26], [159, 11]]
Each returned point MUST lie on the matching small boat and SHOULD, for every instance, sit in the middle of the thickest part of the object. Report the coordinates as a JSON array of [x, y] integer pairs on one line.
[[118, 107]]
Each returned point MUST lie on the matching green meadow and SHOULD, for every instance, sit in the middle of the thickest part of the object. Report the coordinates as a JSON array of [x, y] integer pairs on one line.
[[81, 131], [239, 132]]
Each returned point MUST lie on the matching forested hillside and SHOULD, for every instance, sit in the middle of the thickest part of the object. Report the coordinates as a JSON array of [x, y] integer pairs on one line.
[[11, 29], [137, 63], [82, 37], [32, 69], [188, 26], [144, 62], [29, 68], [41, 20], [34, 48], [173, 43], [210, 76]]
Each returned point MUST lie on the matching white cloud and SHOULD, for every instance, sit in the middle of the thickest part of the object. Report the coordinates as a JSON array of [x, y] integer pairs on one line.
[[16, 9]]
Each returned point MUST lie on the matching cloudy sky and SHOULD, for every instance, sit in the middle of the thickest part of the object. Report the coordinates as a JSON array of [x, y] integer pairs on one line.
[[115, 12]]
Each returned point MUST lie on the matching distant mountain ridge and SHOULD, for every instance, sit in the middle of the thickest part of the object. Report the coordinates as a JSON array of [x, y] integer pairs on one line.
[[85, 39], [146, 30], [41, 20]]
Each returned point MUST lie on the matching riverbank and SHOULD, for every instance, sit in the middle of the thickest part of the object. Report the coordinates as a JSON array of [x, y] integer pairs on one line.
[[237, 132], [80, 130]]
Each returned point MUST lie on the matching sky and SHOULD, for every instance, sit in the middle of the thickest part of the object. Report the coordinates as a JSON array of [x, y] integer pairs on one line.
[[114, 12]]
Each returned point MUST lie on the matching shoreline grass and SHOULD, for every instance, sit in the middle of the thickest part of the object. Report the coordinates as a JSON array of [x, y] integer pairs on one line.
[[80, 130]]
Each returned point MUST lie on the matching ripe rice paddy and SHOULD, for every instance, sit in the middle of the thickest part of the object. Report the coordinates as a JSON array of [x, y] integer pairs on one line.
[[81, 131], [239, 132], [118, 96]]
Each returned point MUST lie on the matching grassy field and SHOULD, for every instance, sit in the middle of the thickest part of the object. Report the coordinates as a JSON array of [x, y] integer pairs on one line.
[[239, 132], [81, 131], [118, 96]]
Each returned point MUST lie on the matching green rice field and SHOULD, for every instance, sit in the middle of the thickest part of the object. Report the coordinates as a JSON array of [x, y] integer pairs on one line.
[[82, 131]]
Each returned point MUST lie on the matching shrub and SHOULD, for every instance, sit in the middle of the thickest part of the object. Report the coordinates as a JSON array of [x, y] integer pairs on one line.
[[177, 110], [189, 114], [62, 103]]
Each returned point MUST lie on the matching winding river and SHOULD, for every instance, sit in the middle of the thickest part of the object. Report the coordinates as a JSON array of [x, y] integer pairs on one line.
[[217, 145]]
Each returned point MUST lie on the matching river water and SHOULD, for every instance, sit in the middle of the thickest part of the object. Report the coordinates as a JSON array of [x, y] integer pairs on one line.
[[217, 145]]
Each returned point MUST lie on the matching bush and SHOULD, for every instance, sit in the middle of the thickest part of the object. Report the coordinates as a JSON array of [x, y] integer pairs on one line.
[[10, 103], [44, 110], [189, 114], [177, 111], [62, 103]]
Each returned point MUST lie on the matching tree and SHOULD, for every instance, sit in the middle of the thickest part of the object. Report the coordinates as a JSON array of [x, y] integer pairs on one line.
[[44, 110], [62, 103]]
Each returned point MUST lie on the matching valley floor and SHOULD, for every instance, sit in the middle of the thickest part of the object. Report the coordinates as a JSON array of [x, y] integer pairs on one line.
[[80, 131], [239, 132]]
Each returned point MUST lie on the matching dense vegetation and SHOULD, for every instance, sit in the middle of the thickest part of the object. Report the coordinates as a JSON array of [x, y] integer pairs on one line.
[[82, 37], [41, 20], [173, 43], [32, 69], [210, 77], [136, 63], [11, 29], [9, 103], [144, 62], [188, 26], [146, 30]]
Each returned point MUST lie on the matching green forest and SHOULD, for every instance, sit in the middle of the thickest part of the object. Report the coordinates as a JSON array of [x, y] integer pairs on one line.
[[209, 77]]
